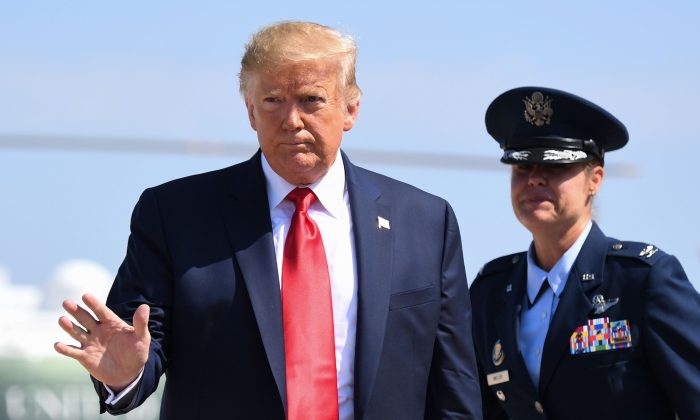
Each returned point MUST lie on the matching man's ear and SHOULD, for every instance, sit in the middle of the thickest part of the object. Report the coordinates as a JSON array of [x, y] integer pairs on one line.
[[351, 111], [251, 112]]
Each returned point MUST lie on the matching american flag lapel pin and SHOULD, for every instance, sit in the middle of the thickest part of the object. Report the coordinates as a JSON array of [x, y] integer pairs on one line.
[[382, 223]]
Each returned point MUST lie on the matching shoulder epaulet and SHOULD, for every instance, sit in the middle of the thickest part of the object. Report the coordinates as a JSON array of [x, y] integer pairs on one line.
[[643, 251], [501, 264]]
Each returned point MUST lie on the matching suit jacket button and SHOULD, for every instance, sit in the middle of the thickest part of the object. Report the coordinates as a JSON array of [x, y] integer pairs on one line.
[[538, 407], [501, 396]]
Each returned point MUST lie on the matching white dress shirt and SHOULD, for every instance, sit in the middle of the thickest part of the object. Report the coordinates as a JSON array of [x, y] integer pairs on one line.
[[331, 212]]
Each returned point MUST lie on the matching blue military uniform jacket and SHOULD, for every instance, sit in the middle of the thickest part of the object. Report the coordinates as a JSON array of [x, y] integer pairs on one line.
[[652, 374]]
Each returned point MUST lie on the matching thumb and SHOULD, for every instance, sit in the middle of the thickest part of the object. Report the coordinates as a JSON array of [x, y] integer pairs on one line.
[[141, 321]]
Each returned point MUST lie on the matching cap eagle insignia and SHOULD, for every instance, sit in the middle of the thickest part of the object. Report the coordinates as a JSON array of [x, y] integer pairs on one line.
[[538, 109]]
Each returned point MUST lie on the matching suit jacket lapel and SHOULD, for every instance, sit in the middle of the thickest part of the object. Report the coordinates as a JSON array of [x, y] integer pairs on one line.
[[507, 322], [373, 251], [574, 304], [246, 214]]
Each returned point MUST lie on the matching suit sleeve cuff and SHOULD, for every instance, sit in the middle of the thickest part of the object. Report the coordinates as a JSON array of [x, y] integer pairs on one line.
[[115, 398]]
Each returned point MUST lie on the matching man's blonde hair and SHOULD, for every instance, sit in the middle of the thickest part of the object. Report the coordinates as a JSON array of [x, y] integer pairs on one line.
[[291, 42]]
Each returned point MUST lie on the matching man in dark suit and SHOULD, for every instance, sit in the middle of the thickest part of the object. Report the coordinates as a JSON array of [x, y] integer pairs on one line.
[[210, 291], [581, 326]]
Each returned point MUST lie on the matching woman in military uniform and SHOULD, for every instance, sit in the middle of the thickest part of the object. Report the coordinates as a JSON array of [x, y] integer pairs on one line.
[[581, 325]]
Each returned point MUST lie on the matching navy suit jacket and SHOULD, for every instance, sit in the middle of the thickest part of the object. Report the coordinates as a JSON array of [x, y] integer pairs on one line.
[[201, 255], [657, 376]]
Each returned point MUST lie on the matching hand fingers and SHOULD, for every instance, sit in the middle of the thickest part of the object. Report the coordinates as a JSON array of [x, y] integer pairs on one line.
[[100, 309], [70, 351], [80, 314], [141, 321], [73, 330]]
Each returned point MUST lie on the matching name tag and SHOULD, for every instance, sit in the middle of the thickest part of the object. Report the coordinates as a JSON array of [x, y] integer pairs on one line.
[[497, 378]]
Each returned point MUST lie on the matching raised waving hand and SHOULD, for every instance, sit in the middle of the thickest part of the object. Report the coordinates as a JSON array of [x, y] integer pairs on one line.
[[111, 350]]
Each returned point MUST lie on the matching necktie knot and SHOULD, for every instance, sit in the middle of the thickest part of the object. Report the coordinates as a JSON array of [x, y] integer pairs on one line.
[[302, 198]]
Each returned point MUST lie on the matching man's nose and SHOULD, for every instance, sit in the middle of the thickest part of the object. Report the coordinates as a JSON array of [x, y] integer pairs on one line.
[[292, 118]]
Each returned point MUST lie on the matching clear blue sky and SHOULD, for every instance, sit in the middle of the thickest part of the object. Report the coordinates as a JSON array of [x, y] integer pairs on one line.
[[167, 70]]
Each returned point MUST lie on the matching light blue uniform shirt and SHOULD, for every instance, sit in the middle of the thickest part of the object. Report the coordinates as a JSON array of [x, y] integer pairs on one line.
[[535, 316]]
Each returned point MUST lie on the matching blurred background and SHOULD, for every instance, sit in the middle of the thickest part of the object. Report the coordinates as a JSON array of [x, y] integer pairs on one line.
[[99, 100]]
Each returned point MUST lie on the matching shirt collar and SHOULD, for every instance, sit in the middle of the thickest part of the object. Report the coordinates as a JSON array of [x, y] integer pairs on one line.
[[329, 190], [559, 273]]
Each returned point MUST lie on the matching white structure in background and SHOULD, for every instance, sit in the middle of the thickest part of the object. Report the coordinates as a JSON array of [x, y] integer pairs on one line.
[[29, 328], [29, 314]]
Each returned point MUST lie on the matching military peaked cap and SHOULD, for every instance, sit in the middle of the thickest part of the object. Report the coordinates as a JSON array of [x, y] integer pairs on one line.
[[538, 125]]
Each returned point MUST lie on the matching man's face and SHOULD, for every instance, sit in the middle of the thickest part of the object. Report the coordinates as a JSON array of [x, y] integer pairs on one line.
[[300, 114], [553, 197]]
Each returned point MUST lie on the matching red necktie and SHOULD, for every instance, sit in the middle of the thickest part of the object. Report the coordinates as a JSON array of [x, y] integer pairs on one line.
[[309, 342]]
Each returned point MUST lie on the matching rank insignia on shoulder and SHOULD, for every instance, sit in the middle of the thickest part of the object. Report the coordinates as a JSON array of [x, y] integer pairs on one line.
[[601, 334], [648, 251]]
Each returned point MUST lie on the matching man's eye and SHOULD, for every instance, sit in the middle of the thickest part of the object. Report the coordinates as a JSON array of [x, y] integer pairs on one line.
[[271, 99], [312, 98]]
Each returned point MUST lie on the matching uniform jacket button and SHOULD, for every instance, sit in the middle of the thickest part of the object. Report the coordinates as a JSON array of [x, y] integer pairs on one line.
[[538, 407]]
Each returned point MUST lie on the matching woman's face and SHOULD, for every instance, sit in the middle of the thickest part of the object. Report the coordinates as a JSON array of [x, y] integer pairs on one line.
[[553, 197]]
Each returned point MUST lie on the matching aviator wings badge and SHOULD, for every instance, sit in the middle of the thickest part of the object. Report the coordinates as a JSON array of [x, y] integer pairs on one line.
[[601, 304]]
